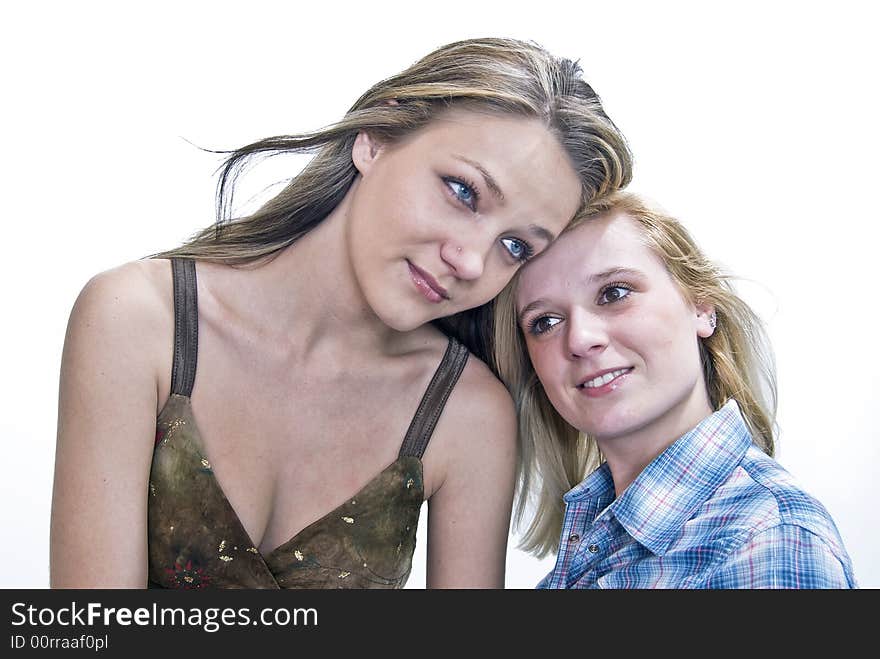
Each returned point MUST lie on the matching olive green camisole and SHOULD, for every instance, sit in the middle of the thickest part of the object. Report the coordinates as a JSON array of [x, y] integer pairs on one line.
[[196, 540]]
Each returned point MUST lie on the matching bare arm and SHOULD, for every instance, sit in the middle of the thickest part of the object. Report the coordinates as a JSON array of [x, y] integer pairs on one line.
[[106, 424], [469, 514]]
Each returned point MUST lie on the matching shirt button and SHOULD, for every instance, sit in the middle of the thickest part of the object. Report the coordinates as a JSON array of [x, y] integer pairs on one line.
[[574, 537], [593, 548]]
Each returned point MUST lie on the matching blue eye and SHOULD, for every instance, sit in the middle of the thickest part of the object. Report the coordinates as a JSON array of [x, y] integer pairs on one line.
[[542, 324], [614, 293], [520, 250], [465, 193]]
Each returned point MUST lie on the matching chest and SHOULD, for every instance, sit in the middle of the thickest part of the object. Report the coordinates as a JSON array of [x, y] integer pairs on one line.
[[287, 444], [196, 538], [291, 414], [604, 555]]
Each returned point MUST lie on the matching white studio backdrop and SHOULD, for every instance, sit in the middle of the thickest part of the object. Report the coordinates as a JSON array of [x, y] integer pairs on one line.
[[756, 125]]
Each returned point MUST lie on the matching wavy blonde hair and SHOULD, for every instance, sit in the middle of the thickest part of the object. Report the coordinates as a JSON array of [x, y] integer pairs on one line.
[[503, 76], [737, 363]]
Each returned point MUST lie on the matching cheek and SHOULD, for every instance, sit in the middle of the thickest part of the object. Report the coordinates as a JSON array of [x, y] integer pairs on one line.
[[495, 277], [544, 362], [667, 336], [386, 197]]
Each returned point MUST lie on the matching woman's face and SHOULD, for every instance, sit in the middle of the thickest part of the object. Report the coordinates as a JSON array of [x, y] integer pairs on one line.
[[611, 336], [441, 220]]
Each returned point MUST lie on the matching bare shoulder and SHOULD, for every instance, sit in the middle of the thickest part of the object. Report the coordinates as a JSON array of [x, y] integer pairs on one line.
[[477, 429], [138, 290], [480, 398], [123, 319]]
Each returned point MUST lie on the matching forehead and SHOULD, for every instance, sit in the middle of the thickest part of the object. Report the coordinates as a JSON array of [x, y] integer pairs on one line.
[[483, 128], [593, 247]]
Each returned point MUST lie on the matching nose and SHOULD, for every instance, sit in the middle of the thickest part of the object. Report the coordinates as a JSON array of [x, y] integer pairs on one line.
[[585, 335], [467, 261]]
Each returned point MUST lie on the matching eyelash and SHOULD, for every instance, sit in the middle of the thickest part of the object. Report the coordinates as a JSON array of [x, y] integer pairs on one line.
[[451, 182], [527, 250], [532, 326], [611, 287]]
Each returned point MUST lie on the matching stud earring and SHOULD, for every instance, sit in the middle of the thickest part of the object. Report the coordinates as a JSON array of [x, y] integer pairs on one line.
[[713, 320]]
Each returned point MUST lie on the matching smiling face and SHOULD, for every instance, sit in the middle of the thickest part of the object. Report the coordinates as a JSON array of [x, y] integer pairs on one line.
[[611, 336], [440, 221]]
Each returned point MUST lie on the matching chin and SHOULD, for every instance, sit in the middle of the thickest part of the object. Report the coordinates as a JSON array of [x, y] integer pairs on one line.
[[400, 321], [399, 325], [611, 423]]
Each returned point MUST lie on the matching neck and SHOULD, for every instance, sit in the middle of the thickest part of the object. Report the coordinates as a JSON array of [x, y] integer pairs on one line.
[[627, 455], [308, 298]]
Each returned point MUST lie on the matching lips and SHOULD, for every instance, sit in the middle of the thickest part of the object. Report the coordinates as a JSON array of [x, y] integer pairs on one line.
[[601, 378], [604, 383], [427, 285]]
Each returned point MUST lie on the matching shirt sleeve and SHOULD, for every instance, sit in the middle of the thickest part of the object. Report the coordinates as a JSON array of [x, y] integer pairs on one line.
[[785, 556]]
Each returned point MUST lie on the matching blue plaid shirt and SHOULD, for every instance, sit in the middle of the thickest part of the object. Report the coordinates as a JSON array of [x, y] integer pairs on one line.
[[711, 511]]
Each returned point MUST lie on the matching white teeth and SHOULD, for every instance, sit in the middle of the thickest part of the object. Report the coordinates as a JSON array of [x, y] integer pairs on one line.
[[604, 379]]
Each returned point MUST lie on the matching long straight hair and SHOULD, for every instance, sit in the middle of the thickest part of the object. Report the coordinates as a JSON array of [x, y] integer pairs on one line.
[[503, 76], [737, 361]]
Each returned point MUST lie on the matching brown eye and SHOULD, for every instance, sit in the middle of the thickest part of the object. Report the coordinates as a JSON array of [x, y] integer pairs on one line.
[[614, 293], [542, 324]]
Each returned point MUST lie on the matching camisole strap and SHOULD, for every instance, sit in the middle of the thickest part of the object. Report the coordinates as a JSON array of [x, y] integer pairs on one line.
[[186, 326], [422, 426]]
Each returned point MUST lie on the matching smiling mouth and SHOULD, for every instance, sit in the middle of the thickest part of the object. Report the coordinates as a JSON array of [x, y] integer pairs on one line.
[[426, 284], [605, 378]]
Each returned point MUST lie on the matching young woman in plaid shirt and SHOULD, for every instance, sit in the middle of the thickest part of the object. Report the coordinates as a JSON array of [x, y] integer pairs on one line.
[[646, 396]]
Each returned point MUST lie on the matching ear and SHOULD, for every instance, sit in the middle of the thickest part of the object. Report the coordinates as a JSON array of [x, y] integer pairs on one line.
[[365, 151], [706, 319]]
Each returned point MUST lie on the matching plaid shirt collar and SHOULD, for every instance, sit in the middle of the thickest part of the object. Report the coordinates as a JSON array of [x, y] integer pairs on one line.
[[669, 490]]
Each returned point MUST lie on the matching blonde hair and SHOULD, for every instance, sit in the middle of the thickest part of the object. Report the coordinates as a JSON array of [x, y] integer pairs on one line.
[[497, 75], [737, 363]]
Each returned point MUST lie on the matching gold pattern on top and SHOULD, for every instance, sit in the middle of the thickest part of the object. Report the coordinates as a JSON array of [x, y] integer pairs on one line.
[[362, 542], [172, 426]]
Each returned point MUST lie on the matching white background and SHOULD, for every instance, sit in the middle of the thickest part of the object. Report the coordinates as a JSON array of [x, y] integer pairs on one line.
[[756, 124]]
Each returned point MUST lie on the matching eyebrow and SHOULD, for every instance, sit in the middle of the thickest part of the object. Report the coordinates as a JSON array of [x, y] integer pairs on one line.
[[526, 310], [491, 183], [614, 272], [541, 232], [599, 276]]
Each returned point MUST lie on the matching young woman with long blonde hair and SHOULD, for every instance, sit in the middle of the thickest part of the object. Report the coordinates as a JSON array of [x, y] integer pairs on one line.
[[646, 396], [254, 409]]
